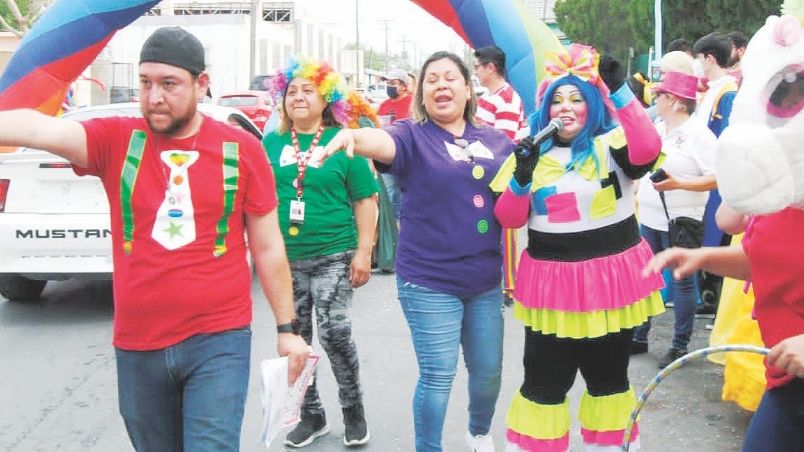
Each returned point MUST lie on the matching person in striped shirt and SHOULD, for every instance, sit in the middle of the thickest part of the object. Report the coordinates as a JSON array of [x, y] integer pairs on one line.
[[501, 108]]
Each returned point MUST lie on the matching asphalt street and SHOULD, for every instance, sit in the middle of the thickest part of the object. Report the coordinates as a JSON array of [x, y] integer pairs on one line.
[[58, 388]]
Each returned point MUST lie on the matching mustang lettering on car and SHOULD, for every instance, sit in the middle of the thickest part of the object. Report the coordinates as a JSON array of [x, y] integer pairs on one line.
[[63, 233]]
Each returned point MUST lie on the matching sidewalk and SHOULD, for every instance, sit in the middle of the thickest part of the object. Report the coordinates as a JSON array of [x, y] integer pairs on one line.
[[684, 413]]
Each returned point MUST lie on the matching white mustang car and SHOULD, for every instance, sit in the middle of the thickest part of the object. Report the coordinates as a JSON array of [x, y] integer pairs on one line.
[[54, 225]]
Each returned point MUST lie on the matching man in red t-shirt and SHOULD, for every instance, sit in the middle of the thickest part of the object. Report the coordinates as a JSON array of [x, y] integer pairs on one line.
[[183, 191], [397, 106]]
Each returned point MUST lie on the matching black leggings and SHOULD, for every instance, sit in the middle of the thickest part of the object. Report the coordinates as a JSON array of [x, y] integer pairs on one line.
[[551, 364]]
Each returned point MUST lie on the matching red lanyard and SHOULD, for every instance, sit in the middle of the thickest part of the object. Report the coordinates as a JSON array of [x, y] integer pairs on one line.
[[302, 163]]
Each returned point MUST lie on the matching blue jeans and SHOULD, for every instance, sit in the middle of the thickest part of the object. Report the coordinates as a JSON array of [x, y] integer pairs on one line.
[[440, 324], [683, 297], [778, 423], [189, 396]]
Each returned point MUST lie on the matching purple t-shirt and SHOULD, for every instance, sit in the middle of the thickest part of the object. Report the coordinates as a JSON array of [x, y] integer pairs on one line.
[[449, 239]]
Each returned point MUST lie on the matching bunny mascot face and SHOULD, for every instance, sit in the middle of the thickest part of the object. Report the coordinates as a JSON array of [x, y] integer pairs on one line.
[[760, 161]]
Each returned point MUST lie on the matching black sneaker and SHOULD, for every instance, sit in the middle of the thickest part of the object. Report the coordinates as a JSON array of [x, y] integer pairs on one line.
[[638, 347], [705, 311], [311, 427], [356, 431], [672, 355]]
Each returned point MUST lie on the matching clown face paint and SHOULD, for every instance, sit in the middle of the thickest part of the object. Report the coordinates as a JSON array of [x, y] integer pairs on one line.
[[570, 107]]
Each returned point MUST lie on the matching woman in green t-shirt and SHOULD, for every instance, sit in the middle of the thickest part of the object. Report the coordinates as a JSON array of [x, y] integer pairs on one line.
[[328, 214]]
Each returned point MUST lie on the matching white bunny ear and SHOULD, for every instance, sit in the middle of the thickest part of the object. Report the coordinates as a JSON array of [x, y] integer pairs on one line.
[[786, 30]]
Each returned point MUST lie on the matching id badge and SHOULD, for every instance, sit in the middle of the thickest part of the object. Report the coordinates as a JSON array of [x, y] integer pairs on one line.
[[297, 212]]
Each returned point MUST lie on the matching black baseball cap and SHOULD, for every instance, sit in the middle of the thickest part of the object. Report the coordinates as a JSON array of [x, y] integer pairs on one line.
[[176, 47]]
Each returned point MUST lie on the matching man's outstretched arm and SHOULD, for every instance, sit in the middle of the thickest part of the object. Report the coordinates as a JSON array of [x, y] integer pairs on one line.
[[30, 128]]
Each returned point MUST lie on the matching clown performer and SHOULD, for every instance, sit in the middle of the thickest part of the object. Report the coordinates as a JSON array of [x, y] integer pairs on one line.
[[579, 291], [327, 215], [760, 172]]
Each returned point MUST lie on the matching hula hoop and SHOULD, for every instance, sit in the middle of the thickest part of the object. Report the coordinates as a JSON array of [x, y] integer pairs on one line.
[[674, 366]]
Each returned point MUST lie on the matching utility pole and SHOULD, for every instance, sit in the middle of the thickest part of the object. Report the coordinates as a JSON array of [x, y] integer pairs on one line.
[[357, 45], [256, 15], [386, 45], [404, 42], [657, 35]]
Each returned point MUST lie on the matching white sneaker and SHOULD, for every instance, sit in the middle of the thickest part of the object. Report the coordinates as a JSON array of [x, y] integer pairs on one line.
[[480, 443]]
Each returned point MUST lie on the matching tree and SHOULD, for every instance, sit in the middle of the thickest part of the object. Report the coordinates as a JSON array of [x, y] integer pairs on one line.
[[614, 25], [17, 16], [751, 17], [687, 20], [597, 23]]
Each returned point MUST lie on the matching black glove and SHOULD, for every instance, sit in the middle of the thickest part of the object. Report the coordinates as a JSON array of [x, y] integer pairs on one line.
[[527, 155], [612, 73]]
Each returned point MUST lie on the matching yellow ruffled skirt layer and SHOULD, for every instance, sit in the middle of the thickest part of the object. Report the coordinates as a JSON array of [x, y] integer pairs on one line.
[[583, 325], [744, 373]]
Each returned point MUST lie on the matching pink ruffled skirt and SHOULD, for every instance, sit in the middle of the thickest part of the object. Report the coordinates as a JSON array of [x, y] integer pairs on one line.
[[602, 283]]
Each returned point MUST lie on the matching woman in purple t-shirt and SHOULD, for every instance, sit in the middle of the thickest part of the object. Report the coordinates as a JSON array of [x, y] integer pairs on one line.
[[448, 259]]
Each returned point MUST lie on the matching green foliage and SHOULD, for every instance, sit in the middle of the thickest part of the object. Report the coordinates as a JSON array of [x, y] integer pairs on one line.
[[614, 25], [602, 24], [23, 5], [751, 16], [687, 19], [640, 19], [29, 10]]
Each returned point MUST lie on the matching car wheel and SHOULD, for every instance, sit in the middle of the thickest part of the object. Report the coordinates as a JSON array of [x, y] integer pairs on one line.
[[17, 288]]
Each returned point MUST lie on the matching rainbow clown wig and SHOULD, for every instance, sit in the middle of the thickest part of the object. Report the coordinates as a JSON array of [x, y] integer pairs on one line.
[[576, 66], [345, 105]]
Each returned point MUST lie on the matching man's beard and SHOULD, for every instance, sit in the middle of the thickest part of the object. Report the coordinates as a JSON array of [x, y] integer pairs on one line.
[[174, 126]]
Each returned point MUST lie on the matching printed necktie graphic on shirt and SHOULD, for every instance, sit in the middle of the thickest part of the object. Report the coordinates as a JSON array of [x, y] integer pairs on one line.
[[174, 225]]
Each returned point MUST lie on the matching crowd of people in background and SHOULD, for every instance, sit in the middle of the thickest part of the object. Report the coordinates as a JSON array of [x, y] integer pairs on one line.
[[629, 173]]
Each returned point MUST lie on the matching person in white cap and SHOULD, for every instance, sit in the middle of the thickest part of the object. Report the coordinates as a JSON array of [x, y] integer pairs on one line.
[[397, 106]]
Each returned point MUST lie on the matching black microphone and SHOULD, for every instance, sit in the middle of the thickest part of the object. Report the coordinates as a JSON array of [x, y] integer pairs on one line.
[[553, 127]]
